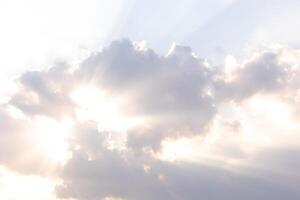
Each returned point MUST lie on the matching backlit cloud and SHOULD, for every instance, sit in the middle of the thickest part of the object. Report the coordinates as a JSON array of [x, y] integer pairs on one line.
[[129, 123]]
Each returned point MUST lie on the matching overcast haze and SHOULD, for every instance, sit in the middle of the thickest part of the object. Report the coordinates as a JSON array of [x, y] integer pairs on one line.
[[149, 100]]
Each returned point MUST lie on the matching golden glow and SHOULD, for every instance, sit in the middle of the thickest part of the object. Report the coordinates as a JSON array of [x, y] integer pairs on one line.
[[50, 136]]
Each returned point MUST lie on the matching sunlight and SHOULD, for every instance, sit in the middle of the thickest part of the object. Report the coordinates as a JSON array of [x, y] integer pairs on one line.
[[270, 108], [50, 136], [266, 122], [96, 105]]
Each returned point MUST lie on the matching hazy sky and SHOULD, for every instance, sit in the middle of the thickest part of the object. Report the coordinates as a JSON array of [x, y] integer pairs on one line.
[[149, 100]]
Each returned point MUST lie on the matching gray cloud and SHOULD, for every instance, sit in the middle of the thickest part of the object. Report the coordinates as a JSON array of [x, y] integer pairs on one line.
[[110, 173], [170, 90], [177, 95], [45, 92], [264, 74]]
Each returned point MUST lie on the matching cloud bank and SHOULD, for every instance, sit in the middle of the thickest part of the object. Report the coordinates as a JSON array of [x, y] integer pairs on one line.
[[147, 126]]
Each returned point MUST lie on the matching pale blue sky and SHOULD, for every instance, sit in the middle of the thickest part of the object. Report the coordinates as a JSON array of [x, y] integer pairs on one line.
[[36, 33]]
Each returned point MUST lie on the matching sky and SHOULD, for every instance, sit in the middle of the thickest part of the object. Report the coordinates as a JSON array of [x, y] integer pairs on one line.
[[149, 100]]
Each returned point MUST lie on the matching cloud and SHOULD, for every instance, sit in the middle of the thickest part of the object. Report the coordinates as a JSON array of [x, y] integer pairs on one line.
[[125, 175], [168, 91], [18, 150], [234, 121], [263, 74], [44, 93]]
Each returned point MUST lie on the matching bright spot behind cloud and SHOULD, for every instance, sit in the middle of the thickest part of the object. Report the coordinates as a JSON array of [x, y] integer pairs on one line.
[[94, 104]]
